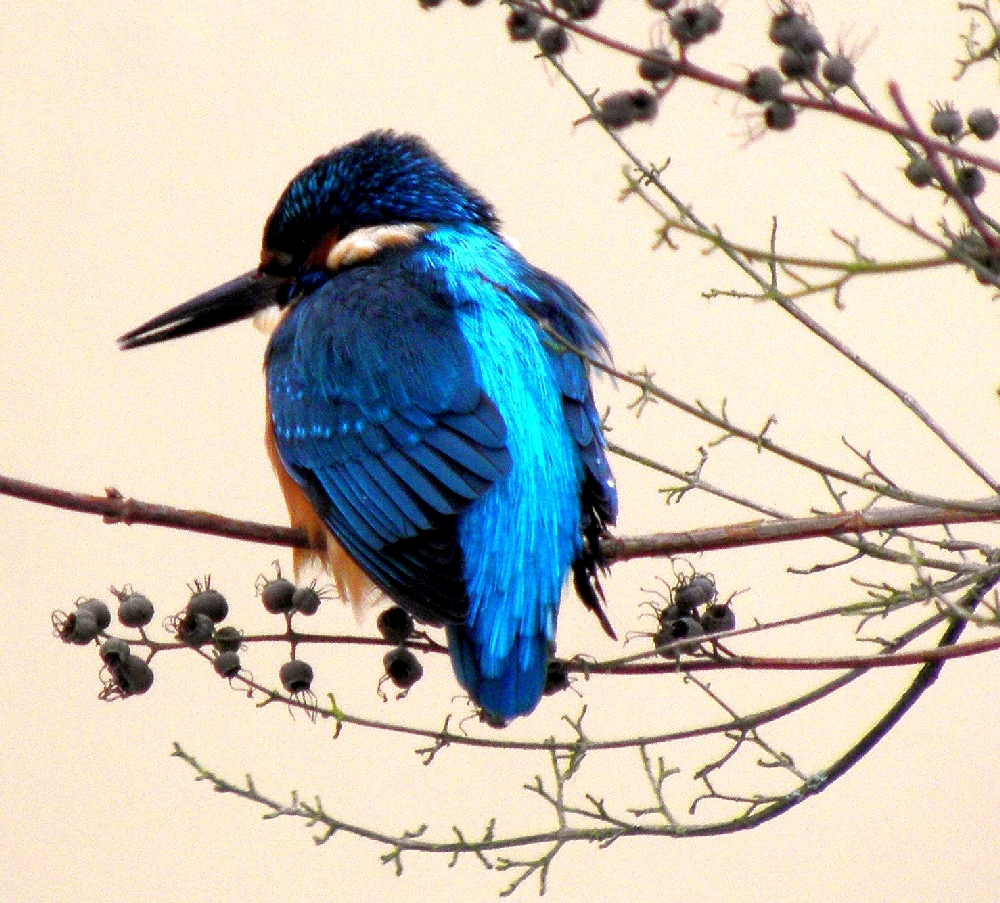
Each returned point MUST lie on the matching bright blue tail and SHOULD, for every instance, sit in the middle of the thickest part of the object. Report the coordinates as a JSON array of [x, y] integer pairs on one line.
[[518, 539], [517, 681]]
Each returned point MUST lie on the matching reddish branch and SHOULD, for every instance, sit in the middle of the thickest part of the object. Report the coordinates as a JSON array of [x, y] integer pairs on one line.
[[117, 509], [816, 663], [680, 665], [760, 532], [944, 177], [683, 68]]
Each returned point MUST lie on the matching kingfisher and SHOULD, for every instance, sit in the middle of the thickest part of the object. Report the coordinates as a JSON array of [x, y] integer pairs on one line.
[[430, 415]]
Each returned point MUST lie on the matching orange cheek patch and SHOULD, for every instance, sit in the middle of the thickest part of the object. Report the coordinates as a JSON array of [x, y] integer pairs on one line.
[[319, 254]]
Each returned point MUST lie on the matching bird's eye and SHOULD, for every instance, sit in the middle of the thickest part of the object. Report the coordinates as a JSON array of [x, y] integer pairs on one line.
[[277, 263]]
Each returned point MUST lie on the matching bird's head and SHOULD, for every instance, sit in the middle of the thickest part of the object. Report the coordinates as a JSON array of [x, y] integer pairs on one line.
[[380, 180]]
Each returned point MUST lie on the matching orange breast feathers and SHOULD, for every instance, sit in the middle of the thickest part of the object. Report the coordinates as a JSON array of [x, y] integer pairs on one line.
[[352, 583]]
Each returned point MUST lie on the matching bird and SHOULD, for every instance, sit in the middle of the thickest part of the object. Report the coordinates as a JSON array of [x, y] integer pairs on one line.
[[430, 412]]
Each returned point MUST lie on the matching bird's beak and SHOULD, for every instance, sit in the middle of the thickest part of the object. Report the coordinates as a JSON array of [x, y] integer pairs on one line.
[[234, 300]]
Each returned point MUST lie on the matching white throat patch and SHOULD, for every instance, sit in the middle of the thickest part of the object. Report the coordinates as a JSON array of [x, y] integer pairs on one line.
[[267, 319], [355, 247]]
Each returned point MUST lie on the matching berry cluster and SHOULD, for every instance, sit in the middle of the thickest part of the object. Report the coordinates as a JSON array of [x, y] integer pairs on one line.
[[692, 23], [803, 50], [195, 625], [402, 667], [687, 26], [803, 57], [962, 181], [282, 597], [693, 612], [804, 60], [123, 674], [198, 626], [946, 122]]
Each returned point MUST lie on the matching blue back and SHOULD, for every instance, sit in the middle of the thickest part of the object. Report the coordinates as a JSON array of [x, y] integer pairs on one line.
[[451, 448]]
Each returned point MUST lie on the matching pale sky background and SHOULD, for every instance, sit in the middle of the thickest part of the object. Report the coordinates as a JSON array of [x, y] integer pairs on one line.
[[143, 146]]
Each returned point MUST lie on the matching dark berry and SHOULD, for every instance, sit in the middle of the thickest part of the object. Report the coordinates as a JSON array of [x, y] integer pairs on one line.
[[972, 245], [686, 629], [277, 596], [691, 24], [210, 603], [794, 30], [227, 664], [681, 629], [471, 2], [983, 123], [133, 677], [227, 639], [578, 9], [114, 651], [809, 40], [78, 627], [403, 667], [785, 26], [553, 40], [970, 181], [796, 63], [429, 4], [764, 84], [698, 591], [657, 66], [296, 676], [556, 677], [645, 105], [395, 624], [663, 5], [779, 116], [99, 609], [718, 618], [838, 70], [306, 600], [134, 610], [194, 629], [673, 613], [522, 24], [711, 17], [919, 171], [946, 122], [616, 110], [622, 108]]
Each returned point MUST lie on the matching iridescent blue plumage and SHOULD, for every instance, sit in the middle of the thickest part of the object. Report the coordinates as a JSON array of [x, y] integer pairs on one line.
[[422, 411], [379, 179], [450, 446]]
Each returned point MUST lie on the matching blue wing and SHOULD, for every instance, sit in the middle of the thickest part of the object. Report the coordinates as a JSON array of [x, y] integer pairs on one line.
[[378, 416], [454, 452], [546, 518], [572, 320]]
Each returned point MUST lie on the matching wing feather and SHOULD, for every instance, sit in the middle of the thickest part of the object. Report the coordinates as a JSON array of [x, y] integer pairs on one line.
[[379, 417]]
